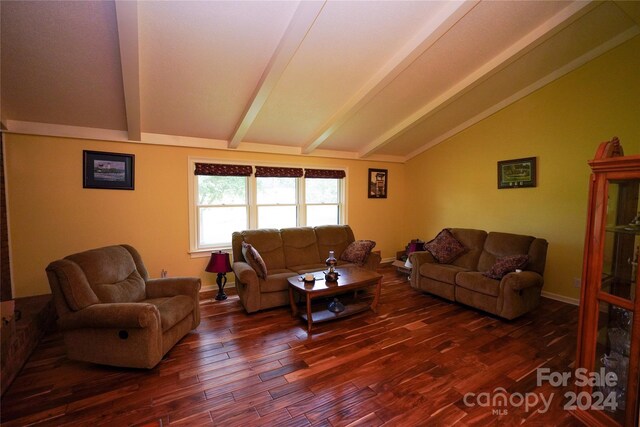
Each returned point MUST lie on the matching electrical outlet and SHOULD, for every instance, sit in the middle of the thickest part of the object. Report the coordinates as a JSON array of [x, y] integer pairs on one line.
[[576, 282]]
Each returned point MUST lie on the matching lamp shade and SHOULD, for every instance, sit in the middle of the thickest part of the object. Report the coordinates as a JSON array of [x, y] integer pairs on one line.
[[219, 263]]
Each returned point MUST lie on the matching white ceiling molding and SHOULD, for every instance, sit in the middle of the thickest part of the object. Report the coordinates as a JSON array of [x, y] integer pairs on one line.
[[64, 131], [301, 22], [573, 65], [517, 49], [127, 17], [438, 25]]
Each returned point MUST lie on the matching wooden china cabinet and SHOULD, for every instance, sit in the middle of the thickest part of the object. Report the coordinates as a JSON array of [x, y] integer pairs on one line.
[[609, 324]]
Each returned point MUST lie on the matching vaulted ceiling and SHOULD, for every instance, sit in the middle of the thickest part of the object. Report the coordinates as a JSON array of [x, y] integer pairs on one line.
[[382, 80]]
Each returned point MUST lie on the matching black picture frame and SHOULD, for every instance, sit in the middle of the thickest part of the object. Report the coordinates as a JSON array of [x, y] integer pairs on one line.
[[377, 183], [111, 171], [517, 173]]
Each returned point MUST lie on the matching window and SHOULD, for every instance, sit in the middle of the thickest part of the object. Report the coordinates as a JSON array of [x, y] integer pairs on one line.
[[322, 198], [277, 202], [226, 198], [222, 205]]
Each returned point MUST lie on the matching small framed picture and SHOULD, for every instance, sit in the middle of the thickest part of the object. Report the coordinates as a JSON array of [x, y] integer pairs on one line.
[[113, 171], [378, 183], [517, 173]]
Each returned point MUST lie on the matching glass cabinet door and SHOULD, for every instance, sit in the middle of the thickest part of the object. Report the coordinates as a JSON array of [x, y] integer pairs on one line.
[[617, 295], [622, 240], [612, 357]]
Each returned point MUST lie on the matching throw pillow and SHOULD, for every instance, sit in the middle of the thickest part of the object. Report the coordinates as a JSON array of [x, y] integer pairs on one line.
[[253, 258], [358, 251], [445, 247], [505, 265]]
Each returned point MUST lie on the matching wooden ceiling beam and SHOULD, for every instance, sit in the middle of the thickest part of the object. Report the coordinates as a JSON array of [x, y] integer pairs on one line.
[[433, 29], [299, 26], [127, 18], [516, 50]]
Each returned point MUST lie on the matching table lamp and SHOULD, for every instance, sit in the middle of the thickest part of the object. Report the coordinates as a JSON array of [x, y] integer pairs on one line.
[[219, 263]]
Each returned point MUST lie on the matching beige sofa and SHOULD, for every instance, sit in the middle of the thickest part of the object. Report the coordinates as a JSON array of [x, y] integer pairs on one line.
[[462, 280], [110, 311], [287, 252]]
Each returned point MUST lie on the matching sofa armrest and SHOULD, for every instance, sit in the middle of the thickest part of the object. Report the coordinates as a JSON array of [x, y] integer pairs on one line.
[[421, 257], [522, 280], [172, 286], [244, 273], [416, 259], [373, 261], [112, 315]]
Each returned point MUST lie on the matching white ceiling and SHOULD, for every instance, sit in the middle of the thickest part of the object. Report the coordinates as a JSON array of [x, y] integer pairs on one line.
[[382, 80]]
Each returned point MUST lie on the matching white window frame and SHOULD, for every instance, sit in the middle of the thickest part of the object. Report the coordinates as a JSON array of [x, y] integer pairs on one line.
[[197, 251]]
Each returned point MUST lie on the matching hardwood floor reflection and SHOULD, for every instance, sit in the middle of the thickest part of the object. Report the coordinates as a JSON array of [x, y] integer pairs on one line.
[[412, 363]]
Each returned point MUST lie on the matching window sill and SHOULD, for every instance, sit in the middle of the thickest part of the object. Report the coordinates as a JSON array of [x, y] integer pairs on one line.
[[203, 253]]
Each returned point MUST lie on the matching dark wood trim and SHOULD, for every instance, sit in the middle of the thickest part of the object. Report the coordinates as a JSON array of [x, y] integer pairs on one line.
[[6, 293]]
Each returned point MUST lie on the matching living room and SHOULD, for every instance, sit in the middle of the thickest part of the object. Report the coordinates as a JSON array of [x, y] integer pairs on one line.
[[450, 183]]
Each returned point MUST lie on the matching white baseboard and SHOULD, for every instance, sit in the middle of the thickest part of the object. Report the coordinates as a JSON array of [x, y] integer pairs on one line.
[[214, 287], [561, 298], [386, 260]]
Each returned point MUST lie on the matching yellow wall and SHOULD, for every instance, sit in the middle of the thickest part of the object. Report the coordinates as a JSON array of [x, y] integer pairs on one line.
[[450, 185], [52, 216], [455, 183]]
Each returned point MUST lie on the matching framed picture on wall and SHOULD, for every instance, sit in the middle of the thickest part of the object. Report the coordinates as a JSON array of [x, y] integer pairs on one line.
[[517, 173], [113, 171], [378, 183]]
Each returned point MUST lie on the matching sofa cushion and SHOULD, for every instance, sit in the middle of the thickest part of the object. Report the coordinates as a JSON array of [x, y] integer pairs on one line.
[[172, 309], [306, 268], [442, 272], [473, 240], [506, 265], [300, 246], [358, 251], [334, 238], [253, 258], [73, 284], [276, 281], [131, 289], [478, 282], [268, 243], [112, 274], [500, 245], [445, 247]]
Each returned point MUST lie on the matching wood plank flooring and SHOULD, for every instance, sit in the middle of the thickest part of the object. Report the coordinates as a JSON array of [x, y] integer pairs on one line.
[[410, 364]]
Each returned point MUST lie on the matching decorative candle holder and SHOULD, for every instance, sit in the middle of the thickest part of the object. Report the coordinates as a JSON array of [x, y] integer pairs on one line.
[[332, 274]]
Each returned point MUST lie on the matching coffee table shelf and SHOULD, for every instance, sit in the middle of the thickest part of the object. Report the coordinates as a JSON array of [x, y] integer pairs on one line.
[[350, 279], [326, 315]]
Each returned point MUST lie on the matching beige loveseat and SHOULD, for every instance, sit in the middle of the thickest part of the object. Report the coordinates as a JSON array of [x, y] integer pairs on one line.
[[287, 252], [110, 311], [462, 279]]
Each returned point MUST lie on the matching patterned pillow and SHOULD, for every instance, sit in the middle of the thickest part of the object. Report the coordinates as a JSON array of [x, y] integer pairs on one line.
[[505, 265], [254, 259], [445, 247], [358, 251]]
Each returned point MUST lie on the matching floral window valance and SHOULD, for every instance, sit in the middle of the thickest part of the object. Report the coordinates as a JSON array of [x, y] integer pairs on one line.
[[263, 171], [324, 173], [222, 170]]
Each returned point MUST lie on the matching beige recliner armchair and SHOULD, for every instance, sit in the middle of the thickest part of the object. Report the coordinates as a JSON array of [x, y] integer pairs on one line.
[[111, 313]]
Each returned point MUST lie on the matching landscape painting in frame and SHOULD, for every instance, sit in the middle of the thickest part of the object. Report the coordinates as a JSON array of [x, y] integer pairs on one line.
[[108, 170], [517, 173]]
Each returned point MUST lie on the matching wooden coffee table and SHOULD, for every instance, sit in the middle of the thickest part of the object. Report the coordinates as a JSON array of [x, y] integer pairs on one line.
[[351, 279]]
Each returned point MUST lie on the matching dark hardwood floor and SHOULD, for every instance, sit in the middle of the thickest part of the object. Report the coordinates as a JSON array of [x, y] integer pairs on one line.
[[410, 364]]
